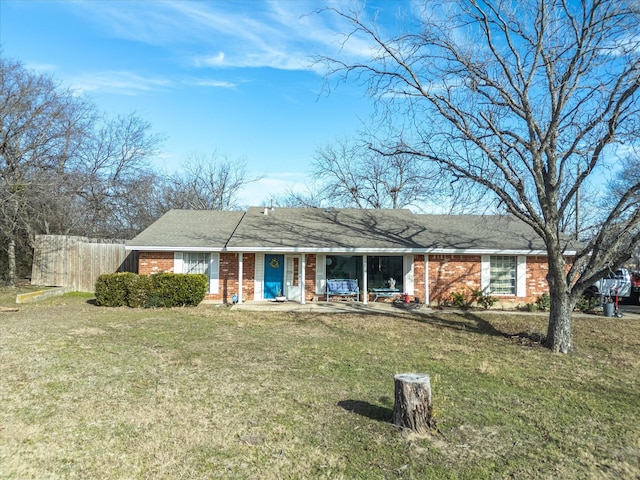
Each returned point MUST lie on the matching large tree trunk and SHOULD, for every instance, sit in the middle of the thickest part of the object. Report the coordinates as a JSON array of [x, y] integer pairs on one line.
[[559, 329], [561, 307]]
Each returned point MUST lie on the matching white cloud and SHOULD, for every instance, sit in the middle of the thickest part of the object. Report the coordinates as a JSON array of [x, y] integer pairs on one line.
[[276, 34], [211, 60], [124, 83], [214, 83], [130, 83]]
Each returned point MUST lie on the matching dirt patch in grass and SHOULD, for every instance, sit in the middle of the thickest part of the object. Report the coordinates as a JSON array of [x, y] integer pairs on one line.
[[208, 392]]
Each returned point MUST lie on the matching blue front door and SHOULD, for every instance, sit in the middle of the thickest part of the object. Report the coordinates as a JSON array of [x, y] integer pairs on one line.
[[273, 275]]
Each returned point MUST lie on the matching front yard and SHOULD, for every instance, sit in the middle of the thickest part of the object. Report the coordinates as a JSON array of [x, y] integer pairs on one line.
[[207, 392]]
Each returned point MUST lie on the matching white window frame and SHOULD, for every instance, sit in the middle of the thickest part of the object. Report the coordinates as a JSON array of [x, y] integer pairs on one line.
[[520, 274], [258, 281], [407, 266], [179, 266]]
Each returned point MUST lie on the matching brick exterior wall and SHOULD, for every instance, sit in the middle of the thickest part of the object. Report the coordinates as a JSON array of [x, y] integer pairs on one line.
[[447, 274], [155, 262], [452, 273], [228, 277], [537, 269], [310, 278], [248, 276]]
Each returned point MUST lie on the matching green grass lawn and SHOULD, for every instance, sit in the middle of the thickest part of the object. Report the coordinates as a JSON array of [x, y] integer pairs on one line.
[[209, 392]]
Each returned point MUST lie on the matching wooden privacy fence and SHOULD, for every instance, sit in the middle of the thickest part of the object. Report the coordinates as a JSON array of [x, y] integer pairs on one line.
[[70, 261]]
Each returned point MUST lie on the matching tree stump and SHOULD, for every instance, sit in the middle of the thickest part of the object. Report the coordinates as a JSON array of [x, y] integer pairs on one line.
[[412, 408]]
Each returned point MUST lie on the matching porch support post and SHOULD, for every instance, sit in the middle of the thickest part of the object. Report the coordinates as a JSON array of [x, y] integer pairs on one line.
[[240, 265], [426, 279], [303, 275], [365, 288]]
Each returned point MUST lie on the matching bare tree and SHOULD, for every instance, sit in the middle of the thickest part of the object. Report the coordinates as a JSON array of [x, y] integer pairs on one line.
[[64, 169], [310, 196], [353, 174], [42, 126], [208, 183], [113, 179], [362, 174], [527, 100]]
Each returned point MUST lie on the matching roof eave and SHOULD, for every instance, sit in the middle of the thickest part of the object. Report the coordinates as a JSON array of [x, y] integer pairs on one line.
[[165, 248], [362, 251]]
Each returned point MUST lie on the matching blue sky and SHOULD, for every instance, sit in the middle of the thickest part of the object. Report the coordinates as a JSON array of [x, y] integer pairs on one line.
[[234, 77]]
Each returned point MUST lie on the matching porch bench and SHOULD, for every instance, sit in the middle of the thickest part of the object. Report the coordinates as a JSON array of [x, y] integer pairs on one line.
[[385, 293], [343, 287]]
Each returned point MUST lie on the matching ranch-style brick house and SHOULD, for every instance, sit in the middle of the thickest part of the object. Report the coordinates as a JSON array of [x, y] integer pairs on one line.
[[261, 253]]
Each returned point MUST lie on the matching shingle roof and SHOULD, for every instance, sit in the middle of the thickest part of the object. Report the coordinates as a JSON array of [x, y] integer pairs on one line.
[[318, 229], [189, 229], [337, 230], [502, 232]]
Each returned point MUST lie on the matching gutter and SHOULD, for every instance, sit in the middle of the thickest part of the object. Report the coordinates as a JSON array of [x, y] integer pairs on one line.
[[359, 251]]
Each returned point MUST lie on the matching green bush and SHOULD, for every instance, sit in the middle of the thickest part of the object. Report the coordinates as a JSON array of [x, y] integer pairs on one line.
[[177, 290], [487, 301], [464, 299], [483, 299], [112, 289], [153, 300], [587, 303], [461, 299], [139, 291], [160, 290], [543, 302]]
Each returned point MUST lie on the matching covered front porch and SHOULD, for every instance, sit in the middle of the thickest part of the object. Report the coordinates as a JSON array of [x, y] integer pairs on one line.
[[302, 277]]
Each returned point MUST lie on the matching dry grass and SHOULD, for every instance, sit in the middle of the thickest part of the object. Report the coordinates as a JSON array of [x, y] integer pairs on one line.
[[89, 392]]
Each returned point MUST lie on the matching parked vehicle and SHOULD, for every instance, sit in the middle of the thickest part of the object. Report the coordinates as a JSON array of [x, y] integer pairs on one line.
[[622, 282]]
